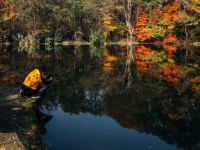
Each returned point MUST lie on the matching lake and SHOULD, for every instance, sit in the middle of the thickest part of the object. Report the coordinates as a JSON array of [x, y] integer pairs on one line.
[[116, 98]]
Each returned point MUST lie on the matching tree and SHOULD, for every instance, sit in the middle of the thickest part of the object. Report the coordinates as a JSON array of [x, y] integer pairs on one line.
[[131, 9], [108, 25], [161, 22]]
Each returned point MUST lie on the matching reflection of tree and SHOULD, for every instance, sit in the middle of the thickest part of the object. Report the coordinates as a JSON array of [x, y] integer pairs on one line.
[[109, 60], [76, 98], [151, 107], [171, 74], [170, 44], [157, 64], [144, 58], [173, 119], [195, 82], [70, 61], [129, 68]]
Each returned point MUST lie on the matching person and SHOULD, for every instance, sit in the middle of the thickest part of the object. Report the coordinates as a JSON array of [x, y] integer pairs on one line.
[[33, 81]]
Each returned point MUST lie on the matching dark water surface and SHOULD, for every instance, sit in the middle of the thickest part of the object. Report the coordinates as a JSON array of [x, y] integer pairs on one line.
[[116, 98], [86, 131]]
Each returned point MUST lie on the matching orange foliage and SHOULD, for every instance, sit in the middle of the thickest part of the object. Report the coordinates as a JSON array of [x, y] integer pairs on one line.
[[170, 38], [108, 25], [145, 57], [170, 44], [196, 84], [155, 15], [195, 5], [171, 74], [171, 12], [141, 53], [108, 61], [2, 148], [142, 21], [161, 18]]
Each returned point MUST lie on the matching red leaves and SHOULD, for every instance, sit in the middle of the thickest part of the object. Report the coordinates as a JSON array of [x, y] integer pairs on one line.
[[142, 52], [153, 63], [171, 74], [158, 23], [142, 21], [170, 44]]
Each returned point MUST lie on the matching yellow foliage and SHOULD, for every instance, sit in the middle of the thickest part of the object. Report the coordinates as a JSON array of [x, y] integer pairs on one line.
[[195, 5], [196, 2], [108, 61], [177, 114], [108, 57], [196, 85], [196, 80], [7, 11], [196, 88], [161, 22], [108, 25]]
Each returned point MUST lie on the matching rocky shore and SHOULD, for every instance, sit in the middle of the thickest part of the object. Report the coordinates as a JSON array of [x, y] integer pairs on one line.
[[18, 120]]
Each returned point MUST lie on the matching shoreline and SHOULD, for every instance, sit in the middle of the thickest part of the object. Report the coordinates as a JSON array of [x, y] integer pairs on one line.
[[18, 115], [80, 43]]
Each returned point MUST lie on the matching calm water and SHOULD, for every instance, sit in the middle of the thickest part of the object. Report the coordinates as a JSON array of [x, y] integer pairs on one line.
[[87, 131], [116, 98]]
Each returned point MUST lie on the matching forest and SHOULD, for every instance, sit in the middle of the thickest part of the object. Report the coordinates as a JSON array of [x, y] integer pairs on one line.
[[97, 21]]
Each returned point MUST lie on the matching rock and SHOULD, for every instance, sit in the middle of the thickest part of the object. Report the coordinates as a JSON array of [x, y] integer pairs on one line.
[[16, 108], [10, 141], [12, 97]]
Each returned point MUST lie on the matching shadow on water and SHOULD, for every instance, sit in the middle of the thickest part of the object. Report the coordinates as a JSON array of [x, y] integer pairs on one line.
[[149, 91]]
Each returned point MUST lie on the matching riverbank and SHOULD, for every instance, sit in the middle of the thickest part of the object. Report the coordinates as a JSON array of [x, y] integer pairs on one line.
[[79, 43], [18, 115]]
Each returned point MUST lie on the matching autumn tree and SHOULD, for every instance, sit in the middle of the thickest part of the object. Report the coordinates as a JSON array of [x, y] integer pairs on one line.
[[161, 21], [108, 25], [142, 20]]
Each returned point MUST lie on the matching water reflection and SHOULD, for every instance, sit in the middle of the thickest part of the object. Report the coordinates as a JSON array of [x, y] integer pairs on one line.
[[147, 88]]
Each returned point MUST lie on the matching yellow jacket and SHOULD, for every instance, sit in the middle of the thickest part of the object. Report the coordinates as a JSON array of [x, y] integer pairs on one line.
[[33, 79]]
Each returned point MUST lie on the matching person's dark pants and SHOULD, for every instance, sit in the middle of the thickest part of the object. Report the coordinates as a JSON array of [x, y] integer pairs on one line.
[[26, 91]]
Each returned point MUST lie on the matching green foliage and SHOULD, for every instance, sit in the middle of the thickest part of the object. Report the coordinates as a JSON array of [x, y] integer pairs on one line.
[[193, 65], [49, 40], [64, 18], [42, 36], [49, 48], [58, 48], [191, 20], [96, 38], [155, 31], [156, 57], [96, 51], [58, 38]]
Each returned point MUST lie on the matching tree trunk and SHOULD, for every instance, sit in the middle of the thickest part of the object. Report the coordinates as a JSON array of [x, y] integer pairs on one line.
[[128, 11], [186, 33]]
